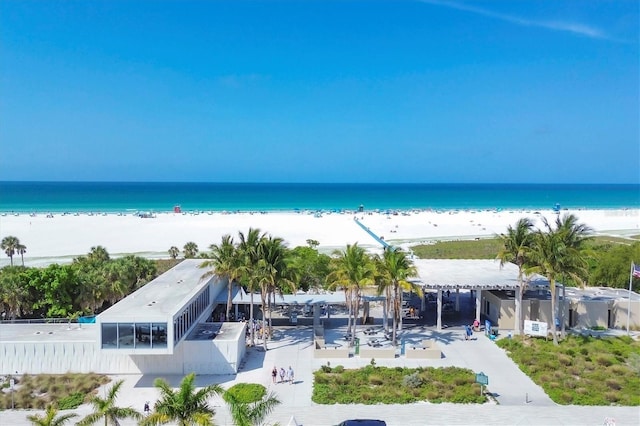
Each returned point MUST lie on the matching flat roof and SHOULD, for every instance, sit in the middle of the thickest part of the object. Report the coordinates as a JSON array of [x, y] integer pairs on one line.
[[227, 331], [161, 298], [471, 274], [240, 297], [594, 294], [48, 333]]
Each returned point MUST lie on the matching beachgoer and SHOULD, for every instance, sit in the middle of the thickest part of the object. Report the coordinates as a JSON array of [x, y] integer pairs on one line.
[[290, 375], [476, 325], [282, 374], [274, 374], [146, 408]]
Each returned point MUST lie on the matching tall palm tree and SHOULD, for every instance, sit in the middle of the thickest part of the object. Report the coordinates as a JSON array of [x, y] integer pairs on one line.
[[227, 263], [395, 269], [50, 418], [190, 250], [249, 252], [9, 244], [271, 272], [185, 406], [21, 249], [105, 408], [353, 270], [174, 252], [560, 252], [516, 244], [250, 414]]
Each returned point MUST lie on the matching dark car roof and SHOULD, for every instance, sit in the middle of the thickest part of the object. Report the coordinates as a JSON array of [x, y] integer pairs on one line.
[[363, 422]]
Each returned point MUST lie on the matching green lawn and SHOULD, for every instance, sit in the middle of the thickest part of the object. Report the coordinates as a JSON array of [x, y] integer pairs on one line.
[[381, 385], [581, 370]]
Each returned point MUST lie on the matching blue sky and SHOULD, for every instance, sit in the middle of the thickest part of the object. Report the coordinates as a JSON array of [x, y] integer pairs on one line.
[[320, 91]]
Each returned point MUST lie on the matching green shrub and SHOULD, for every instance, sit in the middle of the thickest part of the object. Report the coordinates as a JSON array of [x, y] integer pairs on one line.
[[70, 402], [412, 380], [247, 392], [338, 369]]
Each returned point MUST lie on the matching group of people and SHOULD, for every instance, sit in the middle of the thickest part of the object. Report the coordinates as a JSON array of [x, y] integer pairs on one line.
[[468, 329], [285, 376]]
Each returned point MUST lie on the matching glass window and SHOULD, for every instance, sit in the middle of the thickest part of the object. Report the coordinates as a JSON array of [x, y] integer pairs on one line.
[[143, 335], [109, 335], [125, 335], [159, 335]]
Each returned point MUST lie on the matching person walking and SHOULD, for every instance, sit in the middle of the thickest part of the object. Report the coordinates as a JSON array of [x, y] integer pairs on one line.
[[274, 374], [282, 374], [290, 375]]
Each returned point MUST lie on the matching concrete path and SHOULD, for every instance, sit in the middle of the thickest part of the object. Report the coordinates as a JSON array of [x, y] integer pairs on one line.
[[519, 400]]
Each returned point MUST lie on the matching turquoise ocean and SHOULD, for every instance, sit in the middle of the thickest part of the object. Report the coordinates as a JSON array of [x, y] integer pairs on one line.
[[127, 196]]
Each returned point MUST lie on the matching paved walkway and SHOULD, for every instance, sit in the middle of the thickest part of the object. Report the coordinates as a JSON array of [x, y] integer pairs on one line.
[[520, 401]]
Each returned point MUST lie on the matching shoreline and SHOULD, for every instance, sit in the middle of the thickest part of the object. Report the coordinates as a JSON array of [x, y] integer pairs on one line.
[[62, 237]]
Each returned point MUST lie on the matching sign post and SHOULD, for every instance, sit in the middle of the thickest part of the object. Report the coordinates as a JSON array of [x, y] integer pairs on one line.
[[12, 383], [482, 379]]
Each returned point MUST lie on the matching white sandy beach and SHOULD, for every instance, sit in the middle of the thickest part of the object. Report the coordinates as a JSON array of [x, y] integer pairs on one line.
[[63, 237]]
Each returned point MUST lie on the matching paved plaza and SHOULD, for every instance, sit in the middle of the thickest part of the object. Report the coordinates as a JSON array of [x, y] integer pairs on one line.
[[518, 401]]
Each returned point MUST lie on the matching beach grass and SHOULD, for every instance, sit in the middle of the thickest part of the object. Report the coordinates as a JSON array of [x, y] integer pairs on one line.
[[485, 248], [581, 370], [399, 385], [66, 391]]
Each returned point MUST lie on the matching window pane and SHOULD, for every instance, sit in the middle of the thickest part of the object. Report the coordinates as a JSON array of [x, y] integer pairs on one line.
[[125, 335], [109, 335], [143, 335], [159, 335]]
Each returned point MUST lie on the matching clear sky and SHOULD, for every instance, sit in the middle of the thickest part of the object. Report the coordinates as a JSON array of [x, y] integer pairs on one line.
[[320, 91]]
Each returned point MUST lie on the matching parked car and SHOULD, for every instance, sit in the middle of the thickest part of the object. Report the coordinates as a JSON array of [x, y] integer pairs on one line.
[[363, 422]]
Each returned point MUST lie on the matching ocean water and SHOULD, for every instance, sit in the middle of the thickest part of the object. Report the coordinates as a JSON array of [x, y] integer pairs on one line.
[[123, 196]]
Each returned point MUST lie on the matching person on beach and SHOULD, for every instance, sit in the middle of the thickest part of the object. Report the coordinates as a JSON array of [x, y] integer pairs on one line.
[[274, 374], [476, 325], [290, 375], [146, 408], [282, 374]]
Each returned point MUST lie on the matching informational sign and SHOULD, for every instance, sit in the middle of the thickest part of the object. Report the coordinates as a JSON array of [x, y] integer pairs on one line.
[[535, 328], [482, 379]]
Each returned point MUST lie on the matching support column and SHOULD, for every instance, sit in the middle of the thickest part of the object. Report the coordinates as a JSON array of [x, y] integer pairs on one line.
[[316, 315], [385, 315], [518, 313], [478, 303], [564, 301], [439, 311], [457, 300], [235, 311]]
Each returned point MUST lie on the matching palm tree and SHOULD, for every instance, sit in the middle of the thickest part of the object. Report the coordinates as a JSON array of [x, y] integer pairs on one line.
[[50, 418], [226, 262], [559, 252], [21, 249], [190, 250], [174, 252], [250, 414], [353, 269], [105, 408], [271, 273], [396, 268], [516, 244], [249, 252], [9, 244], [185, 406]]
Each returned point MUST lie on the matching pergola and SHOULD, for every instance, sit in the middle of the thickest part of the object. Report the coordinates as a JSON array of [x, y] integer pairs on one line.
[[476, 275]]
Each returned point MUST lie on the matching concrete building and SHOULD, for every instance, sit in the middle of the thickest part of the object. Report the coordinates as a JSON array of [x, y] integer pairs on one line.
[[162, 328]]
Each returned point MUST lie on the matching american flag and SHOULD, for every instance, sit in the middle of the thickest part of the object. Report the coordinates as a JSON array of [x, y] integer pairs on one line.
[[636, 271]]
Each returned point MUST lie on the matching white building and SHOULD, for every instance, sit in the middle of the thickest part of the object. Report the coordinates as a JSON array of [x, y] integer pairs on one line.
[[162, 328]]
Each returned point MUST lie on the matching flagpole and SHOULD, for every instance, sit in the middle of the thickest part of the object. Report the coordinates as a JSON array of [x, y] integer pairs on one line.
[[629, 297]]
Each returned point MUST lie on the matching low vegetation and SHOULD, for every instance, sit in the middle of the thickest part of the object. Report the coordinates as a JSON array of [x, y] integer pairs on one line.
[[485, 248], [581, 370], [381, 385], [66, 391]]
